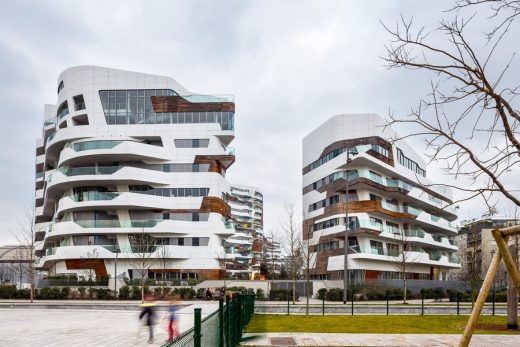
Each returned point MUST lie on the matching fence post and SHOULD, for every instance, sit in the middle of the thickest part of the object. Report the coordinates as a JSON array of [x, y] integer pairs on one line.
[[221, 322], [197, 335], [352, 304], [228, 321], [422, 303], [493, 312], [323, 306], [387, 298], [458, 303], [287, 302]]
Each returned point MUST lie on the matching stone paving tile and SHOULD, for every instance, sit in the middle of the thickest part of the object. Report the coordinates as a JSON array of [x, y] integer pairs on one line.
[[401, 340], [89, 328]]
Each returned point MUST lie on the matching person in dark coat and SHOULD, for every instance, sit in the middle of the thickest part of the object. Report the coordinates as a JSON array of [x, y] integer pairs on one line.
[[149, 312]]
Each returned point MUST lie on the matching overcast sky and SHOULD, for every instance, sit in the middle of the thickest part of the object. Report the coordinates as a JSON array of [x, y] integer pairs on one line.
[[290, 64]]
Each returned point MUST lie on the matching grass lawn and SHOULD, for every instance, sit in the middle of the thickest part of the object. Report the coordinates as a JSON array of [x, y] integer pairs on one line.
[[395, 324]]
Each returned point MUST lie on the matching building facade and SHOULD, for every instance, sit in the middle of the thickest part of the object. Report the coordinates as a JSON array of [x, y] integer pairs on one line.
[[477, 245], [396, 214], [244, 249], [132, 167]]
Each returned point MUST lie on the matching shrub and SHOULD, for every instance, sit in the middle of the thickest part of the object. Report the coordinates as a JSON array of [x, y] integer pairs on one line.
[[334, 294], [23, 294], [124, 293], [282, 294], [135, 294], [81, 291], [7, 292], [186, 293], [166, 291], [49, 293], [260, 294], [322, 293], [64, 293], [193, 281], [104, 294], [92, 293], [201, 292]]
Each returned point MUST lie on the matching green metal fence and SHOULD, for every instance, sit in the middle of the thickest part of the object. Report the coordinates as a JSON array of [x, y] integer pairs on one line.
[[222, 328]]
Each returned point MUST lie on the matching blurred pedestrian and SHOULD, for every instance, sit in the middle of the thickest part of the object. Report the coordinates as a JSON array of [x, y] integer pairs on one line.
[[209, 295], [149, 311], [173, 329]]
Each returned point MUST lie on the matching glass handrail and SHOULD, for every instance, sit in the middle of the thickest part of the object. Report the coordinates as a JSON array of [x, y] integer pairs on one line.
[[63, 113], [415, 232], [453, 258], [90, 145], [51, 121], [89, 170], [202, 98], [375, 250], [39, 174], [412, 210], [94, 196], [230, 150], [435, 218]]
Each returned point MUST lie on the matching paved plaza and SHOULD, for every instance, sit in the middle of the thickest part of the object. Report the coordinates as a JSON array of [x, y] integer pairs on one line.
[[75, 327], [401, 340]]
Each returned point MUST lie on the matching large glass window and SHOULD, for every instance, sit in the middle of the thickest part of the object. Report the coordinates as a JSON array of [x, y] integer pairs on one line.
[[135, 107]]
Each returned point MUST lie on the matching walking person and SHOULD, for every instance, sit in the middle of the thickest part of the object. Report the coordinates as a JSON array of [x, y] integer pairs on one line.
[[173, 329], [149, 312]]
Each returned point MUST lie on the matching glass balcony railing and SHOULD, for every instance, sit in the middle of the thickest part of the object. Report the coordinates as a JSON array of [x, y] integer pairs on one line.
[[453, 258], [94, 196], [63, 113], [230, 225], [48, 122], [89, 170], [114, 223], [39, 174], [375, 250], [375, 178], [435, 218], [415, 232], [398, 183], [392, 207], [50, 251], [435, 255], [51, 136], [412, 210], [201, 98], [230, 150], [91, 145]]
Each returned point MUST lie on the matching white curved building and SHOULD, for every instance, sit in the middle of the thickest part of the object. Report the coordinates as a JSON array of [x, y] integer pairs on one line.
[[244, 249], [391, 203], [125, 156]]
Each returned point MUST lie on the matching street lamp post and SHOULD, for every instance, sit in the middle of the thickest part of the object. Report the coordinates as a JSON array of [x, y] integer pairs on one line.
[[345, 245], [116, 251], [494, 280]]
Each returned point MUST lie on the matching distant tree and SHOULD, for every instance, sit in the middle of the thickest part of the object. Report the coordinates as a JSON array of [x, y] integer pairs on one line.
[[165, 260], [264, 270], [283, 273], [292, 246], [88, 266], [142, 246]]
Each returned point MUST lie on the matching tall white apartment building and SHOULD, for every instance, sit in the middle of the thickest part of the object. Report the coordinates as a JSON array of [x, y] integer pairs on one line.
[[392, 206], [244, 249], [133, 165]]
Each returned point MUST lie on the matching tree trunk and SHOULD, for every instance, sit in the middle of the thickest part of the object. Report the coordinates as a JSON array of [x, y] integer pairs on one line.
[[142, 289], [512, 297], [404, 289], [307, 285], [294, 291]]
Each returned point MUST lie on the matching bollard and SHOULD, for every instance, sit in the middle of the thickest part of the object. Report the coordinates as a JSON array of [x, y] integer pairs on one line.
[[422, 303], [493, 312], [458, 302], [387, 297], [196, 329], [221, 322], [323, 306]]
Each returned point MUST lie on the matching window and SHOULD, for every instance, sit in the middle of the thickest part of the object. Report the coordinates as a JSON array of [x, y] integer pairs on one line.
[[60, 87], [191, 143], [79, 102], [195, 241], [409, 164], [376, 247], [180, 241], [381, 150]]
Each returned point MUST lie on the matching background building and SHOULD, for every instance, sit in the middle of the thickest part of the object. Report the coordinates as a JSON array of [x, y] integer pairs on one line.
[[244, 249], [477, 245], [131, 167], [394, 210], [272, 256]]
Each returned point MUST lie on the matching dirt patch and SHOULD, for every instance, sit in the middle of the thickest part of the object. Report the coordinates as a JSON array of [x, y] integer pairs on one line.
[[283, 341], [496, 327]]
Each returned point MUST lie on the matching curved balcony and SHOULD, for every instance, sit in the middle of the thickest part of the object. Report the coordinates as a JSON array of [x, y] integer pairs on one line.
[[82, 153], [417, 256]]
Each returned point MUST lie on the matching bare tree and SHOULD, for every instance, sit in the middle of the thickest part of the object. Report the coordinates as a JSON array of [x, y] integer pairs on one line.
[[469, 120], [25, 254], [142, 246], [291, 245], [165, 260], [402, 256], [308, 258], [19, 265], [88, 266]]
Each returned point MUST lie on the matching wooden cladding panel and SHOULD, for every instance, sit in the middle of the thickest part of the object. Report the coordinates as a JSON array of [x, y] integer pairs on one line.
[[214, 204], [177, 103], [217, 163], [257, 246], [98, 265]]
